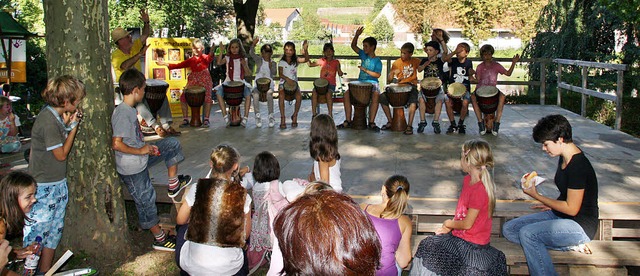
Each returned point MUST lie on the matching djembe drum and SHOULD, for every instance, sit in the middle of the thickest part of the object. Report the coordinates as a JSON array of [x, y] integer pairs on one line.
[[155, 92], [322, 87], [360, 95], [263, 85], [398, 95], [195, 99], [233, 94], [488, 98], [430, 87], [455, 91], [290, 89]]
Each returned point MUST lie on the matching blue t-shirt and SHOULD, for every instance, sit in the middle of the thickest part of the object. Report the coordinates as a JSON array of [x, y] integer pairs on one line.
[[371, 64]]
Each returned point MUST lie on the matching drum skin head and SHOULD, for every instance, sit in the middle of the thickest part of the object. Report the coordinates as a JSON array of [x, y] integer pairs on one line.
[[400, 88], [154, 82], [194, 89], [263, 81], [456, 89], [431, 83], [487, 91], [234, 84], [320, 82], [289, 86], [360, 83]]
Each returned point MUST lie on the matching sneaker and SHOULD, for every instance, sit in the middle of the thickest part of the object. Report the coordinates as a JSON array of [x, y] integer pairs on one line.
[[184, 181], [272, 121], [185, 123], [452, 129], [206, 123], [421, 126], [244, 122], [169, 244], [436, 127], [481, 128], [496, 127], [258, 120], [462, 129], [227, 122]]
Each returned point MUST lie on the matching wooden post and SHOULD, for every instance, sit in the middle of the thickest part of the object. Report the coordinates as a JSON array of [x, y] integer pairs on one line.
[[543, 81], [558, 100], [583, 105], [619, 87]]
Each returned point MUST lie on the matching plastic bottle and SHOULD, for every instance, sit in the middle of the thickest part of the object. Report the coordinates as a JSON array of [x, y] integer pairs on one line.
[[31, 261]]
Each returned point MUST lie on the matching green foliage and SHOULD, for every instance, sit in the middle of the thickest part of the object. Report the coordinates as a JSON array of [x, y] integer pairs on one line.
[[309, 28], [478, 17], [381, 29], [187, 18], [270, 34]]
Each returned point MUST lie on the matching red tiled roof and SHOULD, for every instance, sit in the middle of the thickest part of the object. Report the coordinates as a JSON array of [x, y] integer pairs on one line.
[[279, 15]]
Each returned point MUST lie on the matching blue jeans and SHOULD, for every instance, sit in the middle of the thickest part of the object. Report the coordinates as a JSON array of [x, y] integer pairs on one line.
[[538, 232], [140, 186]]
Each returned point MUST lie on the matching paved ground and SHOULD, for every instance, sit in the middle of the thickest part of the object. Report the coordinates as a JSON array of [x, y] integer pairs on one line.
[[430, 161]]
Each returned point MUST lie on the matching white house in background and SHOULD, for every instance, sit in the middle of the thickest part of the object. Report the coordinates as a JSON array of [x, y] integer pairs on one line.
[[402, 30], [340, 33], [284, 17], [504, 39]]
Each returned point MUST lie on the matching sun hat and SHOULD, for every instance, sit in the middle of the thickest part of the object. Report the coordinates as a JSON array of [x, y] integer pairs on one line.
[[119, 33]]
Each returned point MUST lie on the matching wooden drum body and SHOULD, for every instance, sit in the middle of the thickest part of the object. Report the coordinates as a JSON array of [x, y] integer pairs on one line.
[[263, 85], [155, 93], [322, 87], [488, 98], [195, 99], [233, 95], [455, 91], [398, 95], [290, 89], [360, 96], [430, 88]]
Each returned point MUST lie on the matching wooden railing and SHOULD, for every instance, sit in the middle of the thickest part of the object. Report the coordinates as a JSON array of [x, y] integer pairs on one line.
[[585, 65]]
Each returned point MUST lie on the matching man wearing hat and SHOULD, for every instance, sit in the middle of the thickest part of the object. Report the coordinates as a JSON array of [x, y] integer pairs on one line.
[[128, 56]]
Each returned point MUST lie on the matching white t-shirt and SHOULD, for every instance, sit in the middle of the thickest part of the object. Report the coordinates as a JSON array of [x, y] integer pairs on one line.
[[288, 70], [202, 259], [237, 69], [334, 175]]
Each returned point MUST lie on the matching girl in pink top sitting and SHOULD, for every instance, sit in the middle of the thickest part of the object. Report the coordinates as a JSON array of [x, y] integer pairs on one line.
[[487, 75], [461, 245], [200, 76], [394, 228]]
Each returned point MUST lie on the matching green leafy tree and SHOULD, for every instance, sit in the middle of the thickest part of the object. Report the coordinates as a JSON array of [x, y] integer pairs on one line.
[[309, 28], [478, 17], [381, 29]]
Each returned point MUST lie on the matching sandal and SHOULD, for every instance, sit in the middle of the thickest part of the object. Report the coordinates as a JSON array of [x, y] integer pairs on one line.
[[206, 123], [283, 124], [408, 131], [386, 126], [374, 127], [185, 123], [173, 132], [345, 124], [294, 122]]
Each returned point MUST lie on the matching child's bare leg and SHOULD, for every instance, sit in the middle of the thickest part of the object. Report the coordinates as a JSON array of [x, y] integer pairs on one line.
[[422, 109], [221, 104], [294, 117], [476, 108], [46, 259], [501, 101], [247, 106], [329, 96], [412, 114], [283, 120], [347, 106], [314, 102], [373, 109]]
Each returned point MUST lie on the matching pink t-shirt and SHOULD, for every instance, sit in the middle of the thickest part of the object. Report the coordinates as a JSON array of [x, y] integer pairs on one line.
[[328, 69], [474, 196], [488, 73]]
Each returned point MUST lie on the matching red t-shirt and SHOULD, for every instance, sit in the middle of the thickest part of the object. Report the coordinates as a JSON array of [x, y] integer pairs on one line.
[[474, 196], [196, 63], [329, 69], [487, 73]]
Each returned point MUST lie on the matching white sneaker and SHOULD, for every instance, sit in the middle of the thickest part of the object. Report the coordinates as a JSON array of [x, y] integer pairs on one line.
[[244, 122], [226, 120], [258, 120], [272, 121]]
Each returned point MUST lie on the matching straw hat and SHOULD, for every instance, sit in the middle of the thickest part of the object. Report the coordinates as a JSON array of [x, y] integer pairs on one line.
[[456, 89], [119, 33]]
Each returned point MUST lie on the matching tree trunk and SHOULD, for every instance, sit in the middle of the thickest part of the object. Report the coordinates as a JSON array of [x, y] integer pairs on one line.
[[78, 44], [246, 20]]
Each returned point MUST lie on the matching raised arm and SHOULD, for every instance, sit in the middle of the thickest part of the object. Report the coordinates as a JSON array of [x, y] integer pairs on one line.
[[252, 50], [305, 52], [221, 60], [146, 29], [354, 41], [515, 59]]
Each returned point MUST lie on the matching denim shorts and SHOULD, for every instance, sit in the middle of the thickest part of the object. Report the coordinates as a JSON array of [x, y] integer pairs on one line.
[[47, 214]]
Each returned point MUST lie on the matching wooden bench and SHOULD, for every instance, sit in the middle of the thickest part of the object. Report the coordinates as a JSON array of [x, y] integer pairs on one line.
[[608, 258]]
